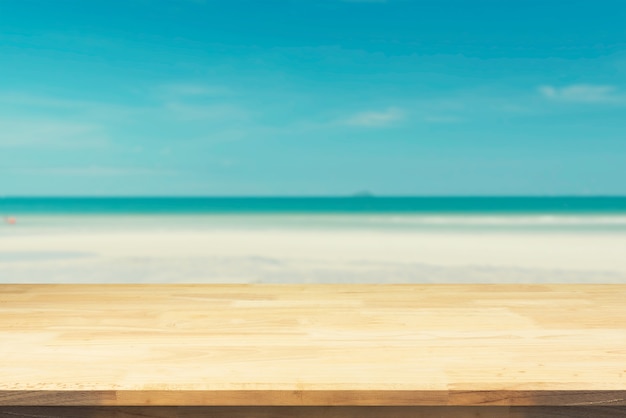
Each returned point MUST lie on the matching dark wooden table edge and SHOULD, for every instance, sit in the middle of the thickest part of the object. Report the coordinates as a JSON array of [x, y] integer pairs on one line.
[[312, 398]]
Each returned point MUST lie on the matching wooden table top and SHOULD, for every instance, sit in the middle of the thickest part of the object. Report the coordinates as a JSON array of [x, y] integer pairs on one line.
[[400, 345]]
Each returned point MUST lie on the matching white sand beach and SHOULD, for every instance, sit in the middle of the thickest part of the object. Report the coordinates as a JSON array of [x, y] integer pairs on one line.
[[286, 255]]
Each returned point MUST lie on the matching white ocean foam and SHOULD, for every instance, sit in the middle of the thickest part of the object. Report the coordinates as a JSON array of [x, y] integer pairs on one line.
[[37, 224], [506, 220]]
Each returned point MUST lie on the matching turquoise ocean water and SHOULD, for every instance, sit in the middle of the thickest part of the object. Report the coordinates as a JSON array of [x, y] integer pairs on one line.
[[500, 239], [563, 214], [317, 205]]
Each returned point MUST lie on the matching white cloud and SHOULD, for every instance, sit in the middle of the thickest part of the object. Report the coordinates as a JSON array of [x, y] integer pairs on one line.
[[53, 133], [196, 101], [376, 118], [582, 93], [36, 104], [33, 101]]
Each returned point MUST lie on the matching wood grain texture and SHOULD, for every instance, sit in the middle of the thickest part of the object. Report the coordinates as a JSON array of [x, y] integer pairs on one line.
[[313, 345], [256, 412], [313, 412]]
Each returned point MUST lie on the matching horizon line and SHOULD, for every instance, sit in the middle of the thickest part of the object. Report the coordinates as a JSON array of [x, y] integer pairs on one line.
[[333, 196]]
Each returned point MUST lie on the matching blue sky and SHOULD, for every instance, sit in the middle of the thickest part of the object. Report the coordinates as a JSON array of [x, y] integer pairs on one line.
[[312, 97]]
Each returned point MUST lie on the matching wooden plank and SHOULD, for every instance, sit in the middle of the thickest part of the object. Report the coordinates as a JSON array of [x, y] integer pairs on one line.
[[257, 412], [314, 412], [313, 345]]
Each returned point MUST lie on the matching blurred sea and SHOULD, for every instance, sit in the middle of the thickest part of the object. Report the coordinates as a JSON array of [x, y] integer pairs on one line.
[[313, 240], [312, 205], [455, 214]]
